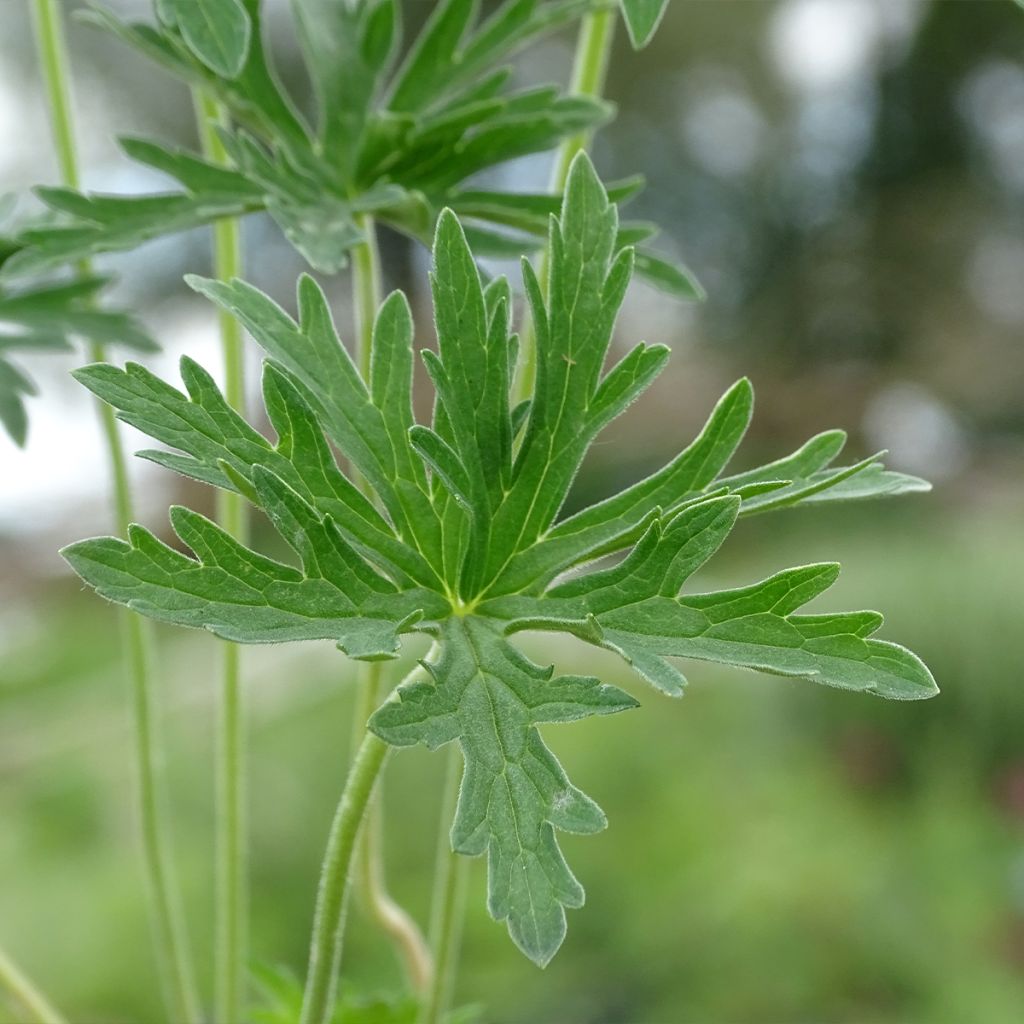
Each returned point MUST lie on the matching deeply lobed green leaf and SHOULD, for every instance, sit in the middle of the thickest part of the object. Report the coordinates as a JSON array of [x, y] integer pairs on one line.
[[396, 142], [465, 540]]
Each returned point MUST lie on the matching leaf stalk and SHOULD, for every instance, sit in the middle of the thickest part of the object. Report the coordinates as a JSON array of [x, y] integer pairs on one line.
[[231, 903], [377, 902], [173, 956], [394, 920], [26, 995], [332, 894], [448, 906]]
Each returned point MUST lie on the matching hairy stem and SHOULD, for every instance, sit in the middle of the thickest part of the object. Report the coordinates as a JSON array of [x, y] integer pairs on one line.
[[396, 923], [231, 925], [137, 645], [332, 895], [391, 918], [590, 69], [446, 913], [336, 874], [25, 994]]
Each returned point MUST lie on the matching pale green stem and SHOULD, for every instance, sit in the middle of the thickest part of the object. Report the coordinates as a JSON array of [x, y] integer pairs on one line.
[[231, 925], [366, 293], [396, 923], [26, 995], [446, 912], [335, 877], [590, 69], [377, 902], [168, 924]]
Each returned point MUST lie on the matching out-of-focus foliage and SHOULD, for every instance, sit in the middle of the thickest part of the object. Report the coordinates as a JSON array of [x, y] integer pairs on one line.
[[401, 126], [50, 317], [802, 842]]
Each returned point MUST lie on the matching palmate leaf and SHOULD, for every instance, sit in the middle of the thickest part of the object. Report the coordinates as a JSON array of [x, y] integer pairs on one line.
[[50, 318], [392, 141], [466, 541]]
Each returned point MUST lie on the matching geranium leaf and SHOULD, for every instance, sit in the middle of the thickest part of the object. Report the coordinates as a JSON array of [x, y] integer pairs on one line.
[[461, 538], [393, 144]]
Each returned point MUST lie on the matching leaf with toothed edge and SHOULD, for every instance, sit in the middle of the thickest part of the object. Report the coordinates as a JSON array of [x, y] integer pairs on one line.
[[464, 537], [490, 699]]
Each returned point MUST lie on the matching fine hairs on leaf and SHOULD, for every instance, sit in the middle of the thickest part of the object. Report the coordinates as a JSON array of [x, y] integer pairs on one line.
[[466, 542], [400, 127]]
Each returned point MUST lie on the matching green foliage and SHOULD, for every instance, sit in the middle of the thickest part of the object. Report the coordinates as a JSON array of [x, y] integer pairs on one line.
[[642, 19], [464, 542], [49, 318], [280, 1002], [216, 31], [393, 138]]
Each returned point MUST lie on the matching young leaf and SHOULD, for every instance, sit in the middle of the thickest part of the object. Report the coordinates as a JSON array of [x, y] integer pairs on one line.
[[464, 541]]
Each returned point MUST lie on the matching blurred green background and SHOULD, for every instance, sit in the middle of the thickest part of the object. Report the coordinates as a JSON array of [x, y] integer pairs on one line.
[[846, 177]]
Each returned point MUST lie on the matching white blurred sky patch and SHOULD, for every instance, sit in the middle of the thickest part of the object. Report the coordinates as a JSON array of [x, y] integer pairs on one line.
[[991, 101], [62, 475], [823, 44], [922, 434]]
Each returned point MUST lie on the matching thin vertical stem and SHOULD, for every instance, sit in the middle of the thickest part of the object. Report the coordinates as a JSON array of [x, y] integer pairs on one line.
[[25, 994], [168, 924], [366, 292], [589, 72], [231, 925], [447, 910], [394, 920], [391, 918]]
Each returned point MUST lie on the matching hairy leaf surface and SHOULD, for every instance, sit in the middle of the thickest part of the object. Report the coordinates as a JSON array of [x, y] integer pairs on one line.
[[465, 539]]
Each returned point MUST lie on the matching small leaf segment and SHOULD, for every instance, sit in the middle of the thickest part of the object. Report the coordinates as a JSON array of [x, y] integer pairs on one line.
[[50, 318], [466, 542], [394, 139]]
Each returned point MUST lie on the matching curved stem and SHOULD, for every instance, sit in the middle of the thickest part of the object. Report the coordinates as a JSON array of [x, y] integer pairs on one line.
[[446, 912], [394, 920], [137, 646], [25, 994], [589, 72], [336, 873], [231, 858], [332, 895], [391, 918]]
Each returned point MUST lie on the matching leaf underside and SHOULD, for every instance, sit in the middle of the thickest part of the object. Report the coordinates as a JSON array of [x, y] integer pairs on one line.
[[465, 539]]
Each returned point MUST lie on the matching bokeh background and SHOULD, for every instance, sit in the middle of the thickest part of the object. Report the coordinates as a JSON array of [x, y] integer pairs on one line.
[[846, 177]]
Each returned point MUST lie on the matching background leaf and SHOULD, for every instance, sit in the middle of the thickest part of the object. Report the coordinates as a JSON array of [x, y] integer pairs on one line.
[[216, 31]]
